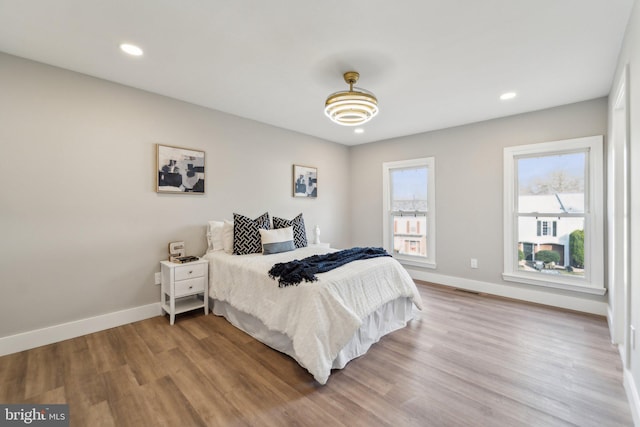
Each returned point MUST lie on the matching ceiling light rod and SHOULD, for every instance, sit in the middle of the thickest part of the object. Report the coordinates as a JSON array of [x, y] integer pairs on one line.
[[351, 77], [353, 107]]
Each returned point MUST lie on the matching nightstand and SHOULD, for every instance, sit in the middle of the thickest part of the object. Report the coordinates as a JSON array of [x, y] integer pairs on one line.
[[184, 287]]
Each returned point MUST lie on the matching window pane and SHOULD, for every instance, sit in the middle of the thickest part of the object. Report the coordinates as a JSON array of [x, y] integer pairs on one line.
[[410, 235], [554, 248], [408, 189], [551, 184]]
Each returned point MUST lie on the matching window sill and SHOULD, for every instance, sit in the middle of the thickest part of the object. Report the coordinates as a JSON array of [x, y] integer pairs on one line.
[[565, 285], [413, 263]]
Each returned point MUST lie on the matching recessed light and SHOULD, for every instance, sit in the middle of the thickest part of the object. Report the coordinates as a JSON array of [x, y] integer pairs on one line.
[[131, 49], [507, 95], [359, 130]]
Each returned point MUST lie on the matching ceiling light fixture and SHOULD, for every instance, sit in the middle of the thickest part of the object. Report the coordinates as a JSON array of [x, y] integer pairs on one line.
[[358, 130], [131, 49], [353, 107], [507, 95]]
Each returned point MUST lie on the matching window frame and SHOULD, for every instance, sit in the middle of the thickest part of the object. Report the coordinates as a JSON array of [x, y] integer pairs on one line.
[[387, 214], [593, 280]]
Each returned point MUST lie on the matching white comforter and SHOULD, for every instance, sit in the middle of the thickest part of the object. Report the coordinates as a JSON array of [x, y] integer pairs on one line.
[[319, 317]]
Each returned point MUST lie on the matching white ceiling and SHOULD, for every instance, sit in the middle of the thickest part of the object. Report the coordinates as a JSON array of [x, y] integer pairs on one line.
[[432, 63]]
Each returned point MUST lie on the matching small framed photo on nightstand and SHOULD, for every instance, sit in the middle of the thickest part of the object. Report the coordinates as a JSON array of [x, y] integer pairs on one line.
[[176, 250]]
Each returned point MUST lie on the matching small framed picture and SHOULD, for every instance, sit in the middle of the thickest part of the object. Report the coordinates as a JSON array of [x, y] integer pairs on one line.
[[179, 170], [305, 181]]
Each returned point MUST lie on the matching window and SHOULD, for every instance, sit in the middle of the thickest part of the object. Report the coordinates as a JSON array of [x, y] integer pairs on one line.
[[547, 228], [409, 211], [553, 214]]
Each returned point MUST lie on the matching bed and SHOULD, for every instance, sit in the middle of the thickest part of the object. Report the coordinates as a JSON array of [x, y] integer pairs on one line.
[[323, 324]]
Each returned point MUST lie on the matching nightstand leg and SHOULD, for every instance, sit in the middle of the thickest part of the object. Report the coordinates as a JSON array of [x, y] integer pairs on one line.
[[172, 315]]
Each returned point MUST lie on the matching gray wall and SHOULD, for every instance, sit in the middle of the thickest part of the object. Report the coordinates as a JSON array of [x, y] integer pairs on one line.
[[469, 168], [82, 227]]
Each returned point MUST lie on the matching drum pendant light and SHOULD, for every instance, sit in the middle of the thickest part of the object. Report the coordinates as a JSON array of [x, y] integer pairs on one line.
[[353, 107]]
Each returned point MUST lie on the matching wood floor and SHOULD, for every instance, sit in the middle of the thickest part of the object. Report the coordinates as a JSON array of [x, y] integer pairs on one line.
[[466, 360]]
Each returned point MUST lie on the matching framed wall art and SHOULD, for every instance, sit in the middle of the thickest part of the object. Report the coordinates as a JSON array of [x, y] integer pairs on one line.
[[305, 181], [179, 170]]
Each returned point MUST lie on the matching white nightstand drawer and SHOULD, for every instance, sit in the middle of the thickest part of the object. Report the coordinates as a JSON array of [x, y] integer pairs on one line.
[[189, 286], [189, 271]]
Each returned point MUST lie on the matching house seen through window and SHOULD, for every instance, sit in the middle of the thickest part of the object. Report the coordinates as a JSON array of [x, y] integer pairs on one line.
[[551, 212]]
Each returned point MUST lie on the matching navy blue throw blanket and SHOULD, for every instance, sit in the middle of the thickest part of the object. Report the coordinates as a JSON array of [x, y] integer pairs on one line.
[[293, 272]]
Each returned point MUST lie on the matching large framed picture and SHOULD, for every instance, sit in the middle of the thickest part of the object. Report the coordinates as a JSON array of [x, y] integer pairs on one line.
[[305, 181], [179, 170]]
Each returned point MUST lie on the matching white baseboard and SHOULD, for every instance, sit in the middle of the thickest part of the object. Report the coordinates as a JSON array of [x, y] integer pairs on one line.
[[65, 331], [632, 394], [530, 294]]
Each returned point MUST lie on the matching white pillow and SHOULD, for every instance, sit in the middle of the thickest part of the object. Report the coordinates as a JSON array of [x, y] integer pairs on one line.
[[227, 236], [215, 235], [277, 240]]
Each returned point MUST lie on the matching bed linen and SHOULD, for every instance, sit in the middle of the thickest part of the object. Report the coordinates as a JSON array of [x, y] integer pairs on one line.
[[320, 318]]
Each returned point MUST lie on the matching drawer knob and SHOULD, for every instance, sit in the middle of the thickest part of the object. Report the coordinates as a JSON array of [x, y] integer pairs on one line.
[[191, 272], [191, 287]]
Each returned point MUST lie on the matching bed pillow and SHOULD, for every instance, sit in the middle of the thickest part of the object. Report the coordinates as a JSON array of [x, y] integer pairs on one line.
[[276, 241], [246, 234], [214, 235], [227, 236], [299, 231]]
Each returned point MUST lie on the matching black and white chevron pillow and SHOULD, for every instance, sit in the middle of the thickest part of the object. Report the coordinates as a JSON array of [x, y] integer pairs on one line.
[[246, 237], [299, 231]]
